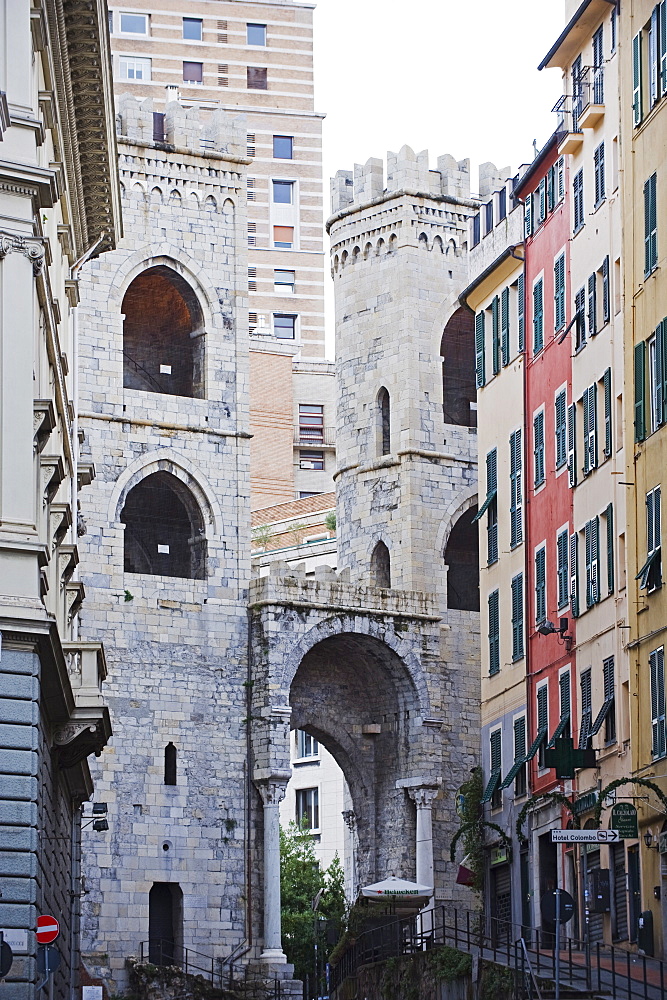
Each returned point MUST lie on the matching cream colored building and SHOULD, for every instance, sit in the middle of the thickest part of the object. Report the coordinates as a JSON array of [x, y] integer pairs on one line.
[[255, 59]]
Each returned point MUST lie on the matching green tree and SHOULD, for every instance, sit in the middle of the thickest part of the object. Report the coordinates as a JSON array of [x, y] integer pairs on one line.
[[301, 878]]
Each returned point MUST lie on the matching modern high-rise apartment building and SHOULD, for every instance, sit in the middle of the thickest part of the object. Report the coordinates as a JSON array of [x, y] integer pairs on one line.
[[256, 58]]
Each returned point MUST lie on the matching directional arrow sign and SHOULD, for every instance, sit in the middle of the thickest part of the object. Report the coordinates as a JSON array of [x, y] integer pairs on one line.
[[585, 836]]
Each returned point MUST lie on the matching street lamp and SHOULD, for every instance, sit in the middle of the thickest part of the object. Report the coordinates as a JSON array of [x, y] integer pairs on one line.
[[648, 840]]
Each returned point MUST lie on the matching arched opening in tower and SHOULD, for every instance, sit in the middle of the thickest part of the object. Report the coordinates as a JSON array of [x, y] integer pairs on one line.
[[457, 349], [164, 529], [163, 335], [462, 560]]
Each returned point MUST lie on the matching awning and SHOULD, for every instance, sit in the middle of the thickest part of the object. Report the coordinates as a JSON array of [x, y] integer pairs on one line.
[[491, 495], [491, 785], [398, 890]]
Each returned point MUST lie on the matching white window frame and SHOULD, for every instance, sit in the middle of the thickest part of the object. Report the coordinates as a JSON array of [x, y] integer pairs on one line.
[[200, 21], [309, 756], [280, 312], [543, 547], [133, 34], [309, 788], [134, 59], [653, 380], [284, 287]]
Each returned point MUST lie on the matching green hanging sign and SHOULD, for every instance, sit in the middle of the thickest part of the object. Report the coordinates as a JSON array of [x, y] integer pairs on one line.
[[624, 819]]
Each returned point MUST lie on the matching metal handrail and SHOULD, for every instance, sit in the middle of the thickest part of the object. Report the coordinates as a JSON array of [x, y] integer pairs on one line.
[[525, 958], [189, 964]]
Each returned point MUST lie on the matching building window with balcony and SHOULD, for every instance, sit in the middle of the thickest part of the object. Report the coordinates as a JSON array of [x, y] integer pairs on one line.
[[650, 226], [311, 423], [598, 164], [283, 237], [578, 199], [657, 674], [313, 460], [193, 72], [283, 147], [133, 24], [256, 34], [577, 93], [283, 282], [134, 69], [257, 78], [650, 575], [192, 28], [598, 66], [284, 326], [308, 809]]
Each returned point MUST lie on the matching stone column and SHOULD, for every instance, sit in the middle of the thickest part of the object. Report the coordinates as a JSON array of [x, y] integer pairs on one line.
[[350, 820], [272, 791], [423, 796]]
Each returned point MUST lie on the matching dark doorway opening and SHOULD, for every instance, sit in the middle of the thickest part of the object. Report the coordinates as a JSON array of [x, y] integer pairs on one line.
[[381, 566], [165, 919], [462, 560]]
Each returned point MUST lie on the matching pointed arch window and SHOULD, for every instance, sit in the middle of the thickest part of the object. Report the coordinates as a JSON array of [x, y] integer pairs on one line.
[[164, 529], [170, 764], [384, 418]]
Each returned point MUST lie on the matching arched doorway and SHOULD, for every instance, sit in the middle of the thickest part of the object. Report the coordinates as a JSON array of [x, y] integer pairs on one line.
[[164, 529], [457, 350], [462, 560], [165, 922], [163, 335]]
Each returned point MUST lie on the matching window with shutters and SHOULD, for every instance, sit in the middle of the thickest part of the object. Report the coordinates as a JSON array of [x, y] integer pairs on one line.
[[578, 199], [253, 322], [637, 103], [540, 201], [580, 319], [538, 449], [490, 506], [572, 445], [223, 74], [193, 72], [609, 700], [652, 46], [505, 326], [521, 328], [604, 281], [598, 66], [560, 424], [577, 93], [257, 78], [494, 632], [598, 169], [589, 406], [592, 312], [480, 363], [640, 391], [657, 375], [528, 216], [495, 335], [562, 575], [564, 727], [516, 489], [559, 292], [517, 618], [496, 761], [542, 720], [657, 674], [574, 574], [538, 316], [521, 778], [650, 575], [613, 25], [650, 226], [592, 540], [586, 710], [609, 535], [606, 392], [540, 585]]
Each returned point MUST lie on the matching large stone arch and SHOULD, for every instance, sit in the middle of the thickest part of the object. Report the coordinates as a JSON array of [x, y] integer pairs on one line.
[[463, 501]]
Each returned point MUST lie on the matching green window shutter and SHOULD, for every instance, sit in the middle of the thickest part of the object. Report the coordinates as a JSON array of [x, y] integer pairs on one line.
[[609, 517], [561, 429], [586, 710], [580, 317], [606, 303], [495, 335], [637, 112], [653, 59], [542, 720], [528, 216], [505, 326], [661, 372], [657, 669], [551, 188], [559, 293], [521, 312], [538, 448], [574, 574], [517, 617], [494, 632], [650, 226], [538, 317], [640, 391], [520, 738], [662, 53], [595, 559], [606, 386], [589, 563], [565, 700], [540, 586], [589, 403], [572, 444], [492, 471], [496, 751], [516, 493], [561, 555], [592, 305], [480, 367]]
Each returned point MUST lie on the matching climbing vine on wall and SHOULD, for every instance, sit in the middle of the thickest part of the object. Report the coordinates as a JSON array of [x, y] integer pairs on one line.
[[557, 797], [470, 811], [599, 805]]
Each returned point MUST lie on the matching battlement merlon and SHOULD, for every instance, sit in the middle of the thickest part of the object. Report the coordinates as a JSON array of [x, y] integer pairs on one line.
[[190, 130]]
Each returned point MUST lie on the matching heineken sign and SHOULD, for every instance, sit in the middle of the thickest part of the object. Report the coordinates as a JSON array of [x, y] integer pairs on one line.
[[624, 819]]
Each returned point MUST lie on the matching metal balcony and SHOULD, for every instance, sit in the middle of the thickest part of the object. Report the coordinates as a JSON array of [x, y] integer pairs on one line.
[[315, 437]]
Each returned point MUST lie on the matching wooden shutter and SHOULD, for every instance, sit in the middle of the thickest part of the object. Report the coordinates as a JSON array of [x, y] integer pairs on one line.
[[637, 79], [640, 391], [559, 292], [662, 51], [540, 586], [586, 710], [592, 305], [598, 162], [580, 314], [520, 738], [572, 444], [653, 82], [657, 669], [480, 372], [494, 633], [609, 518], [650, 226], [505, 325], [606, 302], [595, 559], [561, 554], [661, 352], [496, 750], [538, 316], [606, 386], [650, 546], [521, 312], [528, 216], [542, 719], [574, 574], [538, 447], [517, 617], [589, 562], [495, 335], [516, 527], [551, 188], [561, 429], [592, 434]]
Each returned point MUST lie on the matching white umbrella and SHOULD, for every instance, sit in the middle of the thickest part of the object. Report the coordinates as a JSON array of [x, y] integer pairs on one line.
[[397, 890]]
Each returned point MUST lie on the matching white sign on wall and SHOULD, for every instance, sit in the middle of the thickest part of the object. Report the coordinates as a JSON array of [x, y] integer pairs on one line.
[[91, 993], [16, 939]]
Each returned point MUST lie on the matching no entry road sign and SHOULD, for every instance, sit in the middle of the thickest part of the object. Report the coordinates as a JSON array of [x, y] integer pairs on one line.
[[585, 836], [48, 929]]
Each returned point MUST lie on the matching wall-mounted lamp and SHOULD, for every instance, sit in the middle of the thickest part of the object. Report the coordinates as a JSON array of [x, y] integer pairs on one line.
[[648, 840]]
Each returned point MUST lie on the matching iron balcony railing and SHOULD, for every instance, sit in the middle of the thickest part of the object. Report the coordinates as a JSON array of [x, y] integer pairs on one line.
[[530, 952]]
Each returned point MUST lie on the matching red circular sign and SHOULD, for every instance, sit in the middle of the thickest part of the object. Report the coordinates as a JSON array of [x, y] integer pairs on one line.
[[48, 929]]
